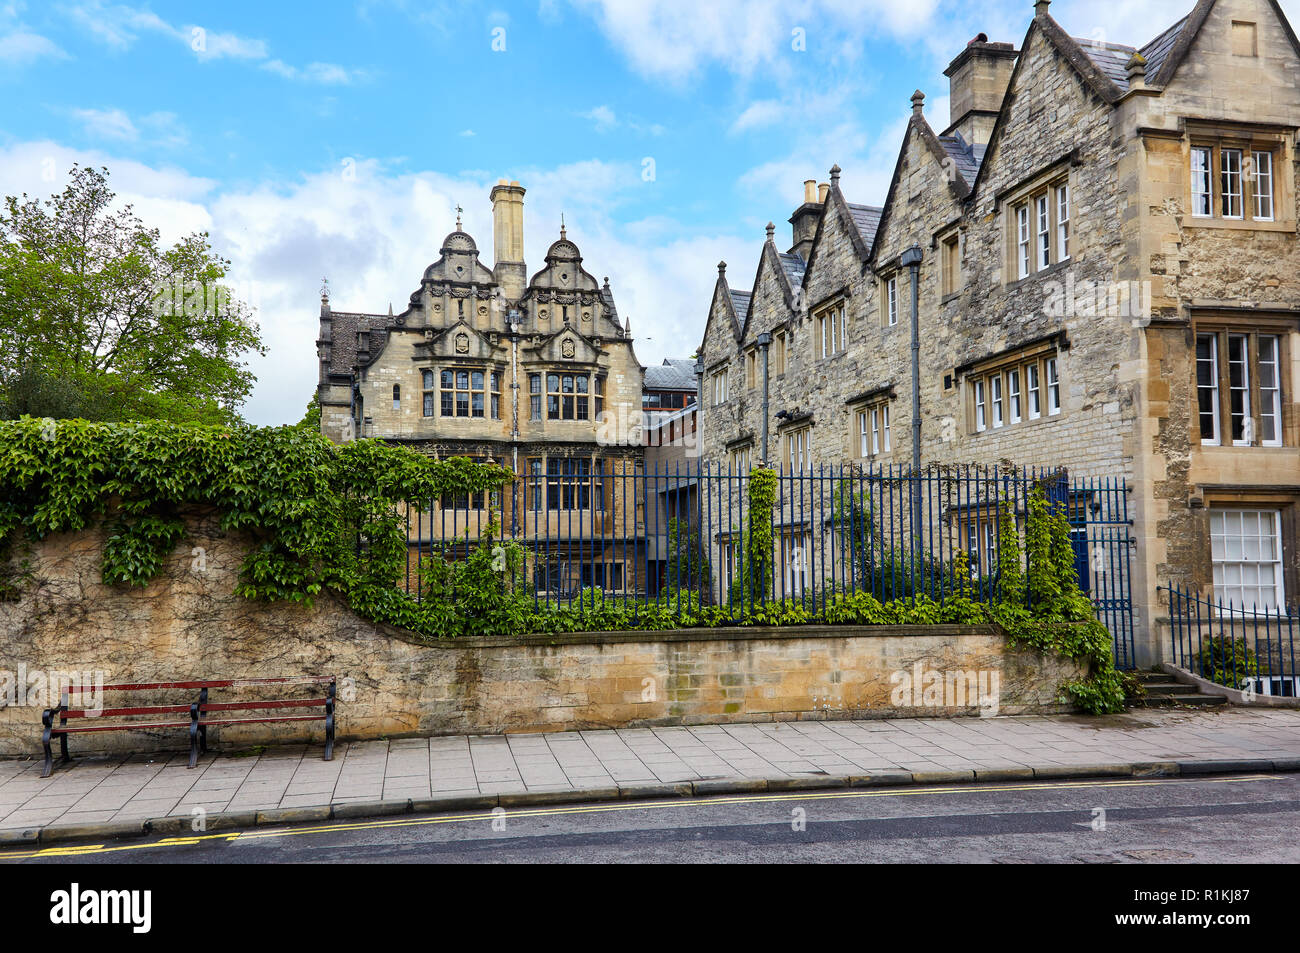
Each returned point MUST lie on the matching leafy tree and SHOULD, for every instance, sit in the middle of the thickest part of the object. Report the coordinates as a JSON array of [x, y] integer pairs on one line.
[[99, 319]]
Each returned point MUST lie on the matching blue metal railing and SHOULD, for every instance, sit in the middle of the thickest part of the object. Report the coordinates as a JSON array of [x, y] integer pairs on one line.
[[1244, 648], [678, 535]]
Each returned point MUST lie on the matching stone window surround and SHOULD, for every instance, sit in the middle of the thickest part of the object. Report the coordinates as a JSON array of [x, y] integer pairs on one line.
[[865, 403], [714, 383], [751, 367], [1032, 352], [826, 309], [895, 274], [950, 241], [1027, 196], [1254, 324], [1248, 137], [1285, 499]]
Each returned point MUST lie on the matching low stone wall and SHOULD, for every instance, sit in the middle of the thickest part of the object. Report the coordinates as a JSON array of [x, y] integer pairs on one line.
[[189, 624]]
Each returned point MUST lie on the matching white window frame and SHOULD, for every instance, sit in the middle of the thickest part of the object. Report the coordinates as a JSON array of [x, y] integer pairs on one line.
[[884, 417], [891, 292], [1022, 240], [995, 398], [1063, 222], [1202, 182], [1013, 395], [864, 443], [981, 411], [1228, 177], [1270, 396], [1223, 561], [1052, 372], [719, 388], [1262, 185], [1044, 244], [1243, 389], [1212, 388], [1033, 391], [875, 430]]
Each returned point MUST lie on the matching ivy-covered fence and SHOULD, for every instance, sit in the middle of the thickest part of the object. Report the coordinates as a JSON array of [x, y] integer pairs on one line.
[[339, 519]]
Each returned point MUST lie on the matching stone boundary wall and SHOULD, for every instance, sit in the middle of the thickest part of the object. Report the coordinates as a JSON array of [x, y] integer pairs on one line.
[[189, 624]]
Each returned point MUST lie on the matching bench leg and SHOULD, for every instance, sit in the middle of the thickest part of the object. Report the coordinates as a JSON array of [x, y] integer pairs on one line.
[[47, 719], [194, 734], [329, 724], [63, 749]]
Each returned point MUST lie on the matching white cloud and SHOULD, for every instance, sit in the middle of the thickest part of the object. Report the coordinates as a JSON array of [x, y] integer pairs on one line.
[[107, 123], [758, 114], [160, 129], [602, 116], [22, 47], [119, 26], [467, 133], [672, 39], [373, 234], [326, 74]]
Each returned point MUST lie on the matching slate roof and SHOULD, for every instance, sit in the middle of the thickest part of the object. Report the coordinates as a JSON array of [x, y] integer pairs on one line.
[[793, 266], [672, 374], [967, 157], [346, 327], [740, 304], [1112, 58], [867, 218]]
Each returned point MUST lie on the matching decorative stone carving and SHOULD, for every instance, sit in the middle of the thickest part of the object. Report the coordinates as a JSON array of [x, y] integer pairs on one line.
[[567, 349], [462, 343]]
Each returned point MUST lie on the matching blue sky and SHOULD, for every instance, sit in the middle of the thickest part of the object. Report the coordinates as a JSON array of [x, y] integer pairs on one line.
[[336, 138]]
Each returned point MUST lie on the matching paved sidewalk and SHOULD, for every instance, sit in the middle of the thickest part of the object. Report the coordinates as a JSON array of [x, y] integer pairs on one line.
[[424, 774]]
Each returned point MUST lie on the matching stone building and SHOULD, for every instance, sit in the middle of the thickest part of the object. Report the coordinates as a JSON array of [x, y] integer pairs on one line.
[[537, 374], [1104, 241]]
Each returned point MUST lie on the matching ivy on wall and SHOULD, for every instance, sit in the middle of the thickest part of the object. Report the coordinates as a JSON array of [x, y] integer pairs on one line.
[[324, 516], [327, 517]]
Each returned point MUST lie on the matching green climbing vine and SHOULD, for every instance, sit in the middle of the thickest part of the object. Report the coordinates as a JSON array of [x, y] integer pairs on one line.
[[325, 516]]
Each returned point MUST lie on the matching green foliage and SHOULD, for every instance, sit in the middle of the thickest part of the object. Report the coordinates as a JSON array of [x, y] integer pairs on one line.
[[688, 568], [1011, 574], [98, 319], [755, 576], [324, 516], [328, 517], [1228, 661]]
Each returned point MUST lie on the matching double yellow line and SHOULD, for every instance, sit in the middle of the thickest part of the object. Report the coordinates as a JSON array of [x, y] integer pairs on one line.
[[561, 810]]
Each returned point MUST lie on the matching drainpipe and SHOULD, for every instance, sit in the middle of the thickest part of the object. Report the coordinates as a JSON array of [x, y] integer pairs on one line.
[[512, 324], [911, 260], [763, 341]]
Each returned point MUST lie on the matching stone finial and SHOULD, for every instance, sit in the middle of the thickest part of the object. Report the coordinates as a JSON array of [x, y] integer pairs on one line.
[[918, 103], [1040, 7], [722, 269], [771, 230], [627, 326], [1137, 71], [325, 292], [607, 281], [835, 175], [390, 309]]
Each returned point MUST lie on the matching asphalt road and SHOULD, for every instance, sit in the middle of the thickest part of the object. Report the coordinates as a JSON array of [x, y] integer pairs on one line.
[[1129, 821]]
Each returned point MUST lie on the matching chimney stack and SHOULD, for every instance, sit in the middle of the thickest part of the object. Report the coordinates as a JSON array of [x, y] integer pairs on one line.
[[508, 237], [977, 82], [804, 220]]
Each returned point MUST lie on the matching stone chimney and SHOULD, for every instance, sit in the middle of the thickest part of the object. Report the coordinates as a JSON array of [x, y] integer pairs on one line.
[[508, 237], [977, 81], [804, 220]]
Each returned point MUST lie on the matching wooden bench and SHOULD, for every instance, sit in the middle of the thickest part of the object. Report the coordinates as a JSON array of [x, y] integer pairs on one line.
[[198, 715]]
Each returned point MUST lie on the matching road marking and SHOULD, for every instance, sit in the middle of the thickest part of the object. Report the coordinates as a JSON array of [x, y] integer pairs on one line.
[[560, 810]]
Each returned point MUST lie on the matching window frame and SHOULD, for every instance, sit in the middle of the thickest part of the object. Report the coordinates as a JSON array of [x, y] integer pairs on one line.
[[1255, 390]]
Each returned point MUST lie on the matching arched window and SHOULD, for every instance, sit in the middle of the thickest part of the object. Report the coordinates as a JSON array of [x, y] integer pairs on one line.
[[397, 397]]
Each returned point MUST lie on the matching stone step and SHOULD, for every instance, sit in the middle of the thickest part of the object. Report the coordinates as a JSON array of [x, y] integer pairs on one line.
[[1189, 700]]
